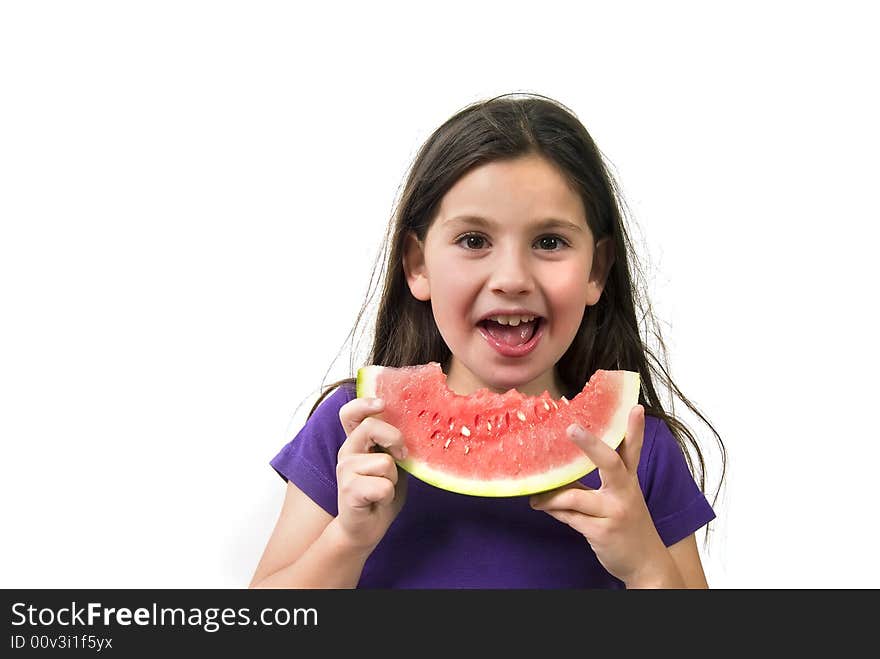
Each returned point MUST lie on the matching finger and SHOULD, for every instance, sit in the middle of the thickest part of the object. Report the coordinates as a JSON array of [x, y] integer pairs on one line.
[[564, 516], [584, 524], [367, 464], [573, 498], [364, 491], [612, 471], [401, 488], [356, 410], [373, 432], [631, 447]]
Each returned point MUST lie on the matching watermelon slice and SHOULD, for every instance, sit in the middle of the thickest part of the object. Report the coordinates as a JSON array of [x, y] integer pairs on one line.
[[496, 445]]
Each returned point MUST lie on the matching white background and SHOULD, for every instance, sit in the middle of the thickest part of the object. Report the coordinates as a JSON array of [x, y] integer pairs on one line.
[[192, 196]]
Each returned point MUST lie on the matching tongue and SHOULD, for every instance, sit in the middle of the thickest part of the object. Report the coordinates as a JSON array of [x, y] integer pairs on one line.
[[509, 334]]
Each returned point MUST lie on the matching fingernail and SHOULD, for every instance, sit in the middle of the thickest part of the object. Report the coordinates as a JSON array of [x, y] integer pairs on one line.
[[403, 453], [376, 403], [575, 430]]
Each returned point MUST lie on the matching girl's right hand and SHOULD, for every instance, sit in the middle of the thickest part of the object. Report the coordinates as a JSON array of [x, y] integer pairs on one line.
[[372, 489]]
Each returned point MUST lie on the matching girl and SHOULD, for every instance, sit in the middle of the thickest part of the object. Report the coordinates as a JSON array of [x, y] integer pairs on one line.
[[509, 227]]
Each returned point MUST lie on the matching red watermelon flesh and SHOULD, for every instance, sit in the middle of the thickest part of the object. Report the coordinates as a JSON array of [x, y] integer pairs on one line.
[[490, 444]]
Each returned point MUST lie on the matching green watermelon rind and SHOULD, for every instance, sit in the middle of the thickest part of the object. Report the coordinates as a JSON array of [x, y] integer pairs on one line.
[[614, 435]]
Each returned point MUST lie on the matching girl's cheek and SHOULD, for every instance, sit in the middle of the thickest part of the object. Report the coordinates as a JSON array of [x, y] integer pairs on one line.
[[570, 291], [462, 277]]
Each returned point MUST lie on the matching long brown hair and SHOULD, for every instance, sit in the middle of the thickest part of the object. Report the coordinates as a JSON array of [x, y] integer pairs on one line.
[[502, 128]]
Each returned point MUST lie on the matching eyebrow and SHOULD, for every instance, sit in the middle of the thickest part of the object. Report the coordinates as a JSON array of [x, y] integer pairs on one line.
[[548, 223]]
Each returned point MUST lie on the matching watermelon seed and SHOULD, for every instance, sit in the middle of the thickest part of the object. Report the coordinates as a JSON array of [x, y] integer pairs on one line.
[[435, 434], [507, 418], [565, 400], [422, 413], [465, 431], [436, 417], [476, 420], [520, 416], [446, 445], [489, 425], [546, 406], [555, 406], [466, 449]]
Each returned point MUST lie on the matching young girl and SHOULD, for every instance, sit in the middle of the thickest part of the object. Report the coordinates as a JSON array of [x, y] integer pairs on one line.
[[509, 227]]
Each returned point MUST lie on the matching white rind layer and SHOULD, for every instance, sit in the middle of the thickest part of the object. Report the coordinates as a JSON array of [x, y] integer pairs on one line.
[[366, 381], [509, 487]]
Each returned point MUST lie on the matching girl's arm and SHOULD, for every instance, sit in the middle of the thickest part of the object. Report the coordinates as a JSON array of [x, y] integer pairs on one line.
[[306, 549], [310, 548], [676, 566], [615, 519], [687, 559]]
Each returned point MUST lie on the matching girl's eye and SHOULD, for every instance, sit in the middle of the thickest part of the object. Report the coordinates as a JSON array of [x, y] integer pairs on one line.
[[551, 243], [472, 241]]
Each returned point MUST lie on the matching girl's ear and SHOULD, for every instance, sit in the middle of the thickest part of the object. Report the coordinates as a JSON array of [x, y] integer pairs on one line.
[[414, 267], [603, 259]]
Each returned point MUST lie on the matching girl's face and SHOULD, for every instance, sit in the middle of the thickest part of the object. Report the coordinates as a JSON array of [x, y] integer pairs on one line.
[[509, 265]]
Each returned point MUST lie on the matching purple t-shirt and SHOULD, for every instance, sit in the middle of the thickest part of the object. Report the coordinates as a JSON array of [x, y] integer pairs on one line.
[[442, 539]]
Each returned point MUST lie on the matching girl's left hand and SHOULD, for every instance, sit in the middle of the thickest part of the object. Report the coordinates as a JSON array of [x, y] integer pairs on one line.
[[614, 519]]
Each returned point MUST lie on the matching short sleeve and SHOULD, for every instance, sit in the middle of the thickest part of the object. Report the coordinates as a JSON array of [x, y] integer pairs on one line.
[[677, 505], [309, 459]]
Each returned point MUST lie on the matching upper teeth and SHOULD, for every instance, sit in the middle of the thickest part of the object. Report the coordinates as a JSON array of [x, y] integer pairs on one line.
[[512, 320]]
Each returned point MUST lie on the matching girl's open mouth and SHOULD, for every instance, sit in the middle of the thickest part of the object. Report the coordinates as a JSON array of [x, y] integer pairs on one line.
[[512, 340]]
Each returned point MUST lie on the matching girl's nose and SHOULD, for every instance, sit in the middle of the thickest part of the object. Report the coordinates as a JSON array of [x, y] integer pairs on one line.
[[511, 274]]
